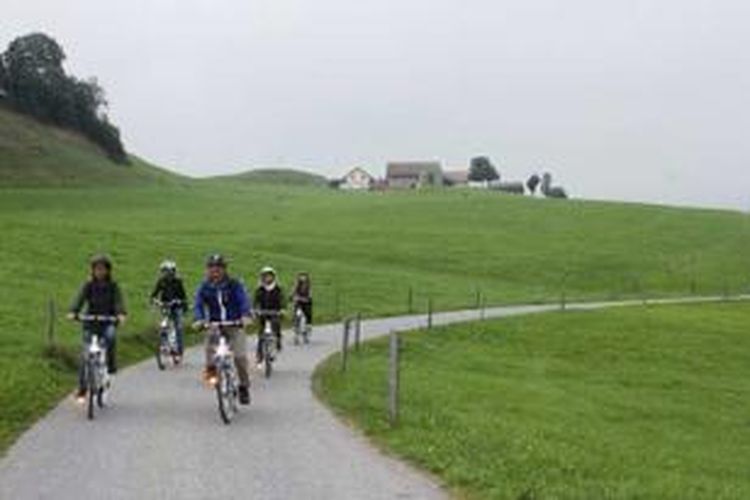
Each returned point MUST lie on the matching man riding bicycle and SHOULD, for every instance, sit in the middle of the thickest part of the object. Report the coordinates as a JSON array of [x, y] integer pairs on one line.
[[100, 296], [269, 302], [169, 291], [221, 298]]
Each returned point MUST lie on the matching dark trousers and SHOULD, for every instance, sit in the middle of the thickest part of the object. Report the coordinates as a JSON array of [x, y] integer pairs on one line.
[[306, 310]]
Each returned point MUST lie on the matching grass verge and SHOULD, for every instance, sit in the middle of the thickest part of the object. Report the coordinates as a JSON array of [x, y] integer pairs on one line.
[[639, 402]]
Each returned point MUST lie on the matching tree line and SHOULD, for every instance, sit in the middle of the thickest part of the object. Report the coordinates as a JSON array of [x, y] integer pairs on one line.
[[482, 169], [34, 82]]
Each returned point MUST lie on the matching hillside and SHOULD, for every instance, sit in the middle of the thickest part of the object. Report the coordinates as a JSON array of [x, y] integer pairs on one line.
[[281, 176], [365, 254], [33, 154]]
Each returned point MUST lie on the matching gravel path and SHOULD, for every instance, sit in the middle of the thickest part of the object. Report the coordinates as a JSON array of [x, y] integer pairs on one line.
[[162, 437]]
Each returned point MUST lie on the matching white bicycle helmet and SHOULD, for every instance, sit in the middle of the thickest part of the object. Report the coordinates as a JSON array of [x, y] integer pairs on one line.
[[268, 270], [168, 266]]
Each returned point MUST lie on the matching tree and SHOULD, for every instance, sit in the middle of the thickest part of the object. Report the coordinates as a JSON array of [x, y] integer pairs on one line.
[[38, 86], [36, 78], [3, 75], [482, 169], [546, 183], [533, 182]]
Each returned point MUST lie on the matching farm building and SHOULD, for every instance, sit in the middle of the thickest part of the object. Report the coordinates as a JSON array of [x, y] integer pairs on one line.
[[357, 178], [456, 177], [414, 174]]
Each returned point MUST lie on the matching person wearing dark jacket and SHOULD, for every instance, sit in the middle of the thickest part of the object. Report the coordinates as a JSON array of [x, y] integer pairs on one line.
[[269, 304], [169, 292], [99, 296], [302, 297]]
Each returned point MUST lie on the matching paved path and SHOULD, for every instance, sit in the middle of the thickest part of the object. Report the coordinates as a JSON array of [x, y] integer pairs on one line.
[[162, 438]]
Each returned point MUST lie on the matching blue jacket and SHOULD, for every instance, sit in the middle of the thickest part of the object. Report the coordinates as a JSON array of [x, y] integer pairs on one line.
[[225, 301]]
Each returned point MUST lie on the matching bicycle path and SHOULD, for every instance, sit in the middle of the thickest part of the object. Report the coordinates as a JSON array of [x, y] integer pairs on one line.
[[162, 437]]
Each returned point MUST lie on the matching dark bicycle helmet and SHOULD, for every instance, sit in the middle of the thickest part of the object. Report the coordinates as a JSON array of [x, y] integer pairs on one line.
[[101, 259], [216, 260]]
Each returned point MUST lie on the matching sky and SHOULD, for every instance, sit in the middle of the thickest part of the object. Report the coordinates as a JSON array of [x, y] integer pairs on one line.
[[630, 100]]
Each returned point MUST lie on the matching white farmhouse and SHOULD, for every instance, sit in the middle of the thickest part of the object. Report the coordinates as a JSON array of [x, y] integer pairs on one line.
[[357, 178]]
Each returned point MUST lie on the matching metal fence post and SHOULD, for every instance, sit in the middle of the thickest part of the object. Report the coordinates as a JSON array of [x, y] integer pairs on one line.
[[483, 309], [393, 379], [345, 344]]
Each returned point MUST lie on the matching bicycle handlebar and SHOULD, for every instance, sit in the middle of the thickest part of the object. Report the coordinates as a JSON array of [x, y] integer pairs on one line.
[[169, 303], [96, 318], [268, 312], [219, 324]]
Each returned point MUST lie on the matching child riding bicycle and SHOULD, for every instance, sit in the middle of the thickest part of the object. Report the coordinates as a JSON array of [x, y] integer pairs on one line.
[[302, 298], [169, 292], [99, 296], [269, 302]]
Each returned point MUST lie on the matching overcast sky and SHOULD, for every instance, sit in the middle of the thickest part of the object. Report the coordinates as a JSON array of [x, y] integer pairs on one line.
[[634, 100]]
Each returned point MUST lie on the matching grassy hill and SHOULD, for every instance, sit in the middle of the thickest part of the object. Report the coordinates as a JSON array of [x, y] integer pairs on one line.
[[281, 176], [33, 154], [638, 402], [365, 253]]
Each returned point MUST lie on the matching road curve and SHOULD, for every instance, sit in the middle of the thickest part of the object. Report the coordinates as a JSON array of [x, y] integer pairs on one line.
[[162, 438]]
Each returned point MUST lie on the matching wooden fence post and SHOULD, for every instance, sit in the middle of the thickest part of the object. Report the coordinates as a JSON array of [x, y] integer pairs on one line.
[[429, 313], [345, 344], [358, 331], [393, 378], [51, 319]]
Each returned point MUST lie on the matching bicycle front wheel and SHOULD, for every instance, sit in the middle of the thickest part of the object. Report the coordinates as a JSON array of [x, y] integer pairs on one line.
[[225, 394], [92, 392]]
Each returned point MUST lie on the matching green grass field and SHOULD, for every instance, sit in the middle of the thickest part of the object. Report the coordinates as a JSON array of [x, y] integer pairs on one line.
[[640, 402], [364, 250]]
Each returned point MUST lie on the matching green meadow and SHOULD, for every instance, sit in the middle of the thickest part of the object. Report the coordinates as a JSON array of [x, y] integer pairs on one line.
[[637, 402], [365, 251]]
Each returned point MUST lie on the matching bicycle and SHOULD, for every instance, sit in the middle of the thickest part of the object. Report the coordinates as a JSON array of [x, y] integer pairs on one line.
[[96, 372], [301, 328], [267, 340], [167, 347], [226, 382]]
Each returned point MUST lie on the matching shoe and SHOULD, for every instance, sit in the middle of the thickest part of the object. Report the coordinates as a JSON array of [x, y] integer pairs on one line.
[[80, 396], [210, 375], [244, 395]]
